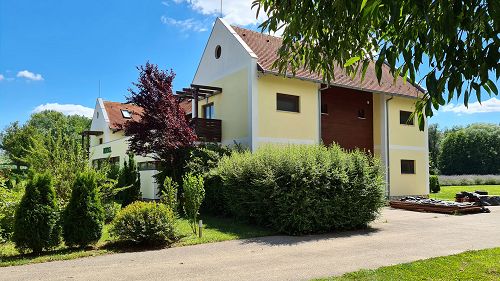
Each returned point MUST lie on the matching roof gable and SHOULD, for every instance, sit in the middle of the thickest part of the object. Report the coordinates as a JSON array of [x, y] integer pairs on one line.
[[266, 48]]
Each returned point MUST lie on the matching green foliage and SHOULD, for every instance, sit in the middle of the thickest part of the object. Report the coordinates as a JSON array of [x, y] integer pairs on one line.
[[36, 220], [9, 201], [474, 149], [453, 44], [145, 223], [434, 184], [302, 189], [202, 161], [193, 197], [435, 137], [169, 195], [83, 217], [111, 209], [129, 181], [49, 141]]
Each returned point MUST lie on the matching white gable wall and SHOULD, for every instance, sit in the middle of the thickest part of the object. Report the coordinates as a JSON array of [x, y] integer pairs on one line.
[[235, 55]]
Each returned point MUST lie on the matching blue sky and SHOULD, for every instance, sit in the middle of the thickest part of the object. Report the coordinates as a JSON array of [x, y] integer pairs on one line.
[[54, 53]]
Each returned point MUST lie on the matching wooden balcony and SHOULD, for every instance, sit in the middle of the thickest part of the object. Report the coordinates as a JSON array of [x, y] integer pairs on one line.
[[207, 130]]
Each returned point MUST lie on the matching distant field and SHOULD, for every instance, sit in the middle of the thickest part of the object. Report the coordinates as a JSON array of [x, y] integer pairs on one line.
[[448, 192]]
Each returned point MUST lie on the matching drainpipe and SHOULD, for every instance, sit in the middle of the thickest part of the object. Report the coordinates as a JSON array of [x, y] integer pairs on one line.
[[387, 147]]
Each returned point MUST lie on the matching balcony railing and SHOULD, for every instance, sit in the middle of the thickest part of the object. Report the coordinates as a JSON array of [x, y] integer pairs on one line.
[[207, 130]]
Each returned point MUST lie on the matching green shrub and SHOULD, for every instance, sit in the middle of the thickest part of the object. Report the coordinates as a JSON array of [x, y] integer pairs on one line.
[[169, 194], [193, 197], [128, 178], [145, 223], [83, 217], [302, 189], [111, 209], [36, 220], [434, 184], [9, 201]]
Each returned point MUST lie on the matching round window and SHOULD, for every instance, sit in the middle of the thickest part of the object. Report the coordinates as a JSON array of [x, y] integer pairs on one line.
[[218, 51]]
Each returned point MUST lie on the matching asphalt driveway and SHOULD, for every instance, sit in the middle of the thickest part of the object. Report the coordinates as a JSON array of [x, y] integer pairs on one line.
[[397, 237]]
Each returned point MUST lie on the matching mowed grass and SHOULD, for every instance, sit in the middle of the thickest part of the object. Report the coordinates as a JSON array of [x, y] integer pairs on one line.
[[215, 229], [472, 265], [448, 192]]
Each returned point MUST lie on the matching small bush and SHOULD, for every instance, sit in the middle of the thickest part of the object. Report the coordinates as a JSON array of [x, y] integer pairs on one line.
[[84, 216], [193, 197], [169, 194], [302, 189], [145, 223], [10, 197], [36, 220], [111, 209], [434, 184]]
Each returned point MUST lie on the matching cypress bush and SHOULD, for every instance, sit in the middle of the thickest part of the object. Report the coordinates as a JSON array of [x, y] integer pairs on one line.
[[302, 189], [129, 178], [145, 223], [83, 217], [36, 221], [434, 184]]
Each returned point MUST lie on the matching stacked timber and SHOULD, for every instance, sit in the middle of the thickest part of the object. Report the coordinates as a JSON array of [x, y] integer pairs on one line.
[[420, 204]]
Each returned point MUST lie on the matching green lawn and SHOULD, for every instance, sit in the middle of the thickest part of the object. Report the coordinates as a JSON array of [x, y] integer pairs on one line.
[[215, 230], [448, 192], [472, 265]]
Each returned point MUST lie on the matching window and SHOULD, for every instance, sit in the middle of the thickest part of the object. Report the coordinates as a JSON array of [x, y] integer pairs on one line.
[[98, 163], [100, 140], [287, 103], [209, 111], [97, 114], [218, 51], [407, 166], [324, 108], [404, 118], [146, 166], [126, 114]]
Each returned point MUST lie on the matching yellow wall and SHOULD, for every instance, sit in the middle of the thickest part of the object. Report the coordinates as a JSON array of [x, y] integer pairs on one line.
[[408, 143], [231, 106], [276, 126]]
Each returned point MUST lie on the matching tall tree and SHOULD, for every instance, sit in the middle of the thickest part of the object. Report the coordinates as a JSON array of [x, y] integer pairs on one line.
[[163, 132], [474, 149], [435, 136], [457, 40]]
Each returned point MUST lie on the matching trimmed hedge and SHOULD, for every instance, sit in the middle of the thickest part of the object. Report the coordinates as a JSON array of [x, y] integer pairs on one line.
[[145, 223], [302, 189]]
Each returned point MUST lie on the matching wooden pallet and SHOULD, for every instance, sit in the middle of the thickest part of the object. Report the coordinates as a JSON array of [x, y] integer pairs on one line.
[[435, 208]]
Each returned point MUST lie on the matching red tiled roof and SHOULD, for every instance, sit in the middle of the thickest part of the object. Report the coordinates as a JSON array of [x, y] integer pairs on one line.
[[116, 119], [266, 48]]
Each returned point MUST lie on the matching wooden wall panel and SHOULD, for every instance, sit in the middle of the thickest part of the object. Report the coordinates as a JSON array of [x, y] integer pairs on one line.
[[342, 124]]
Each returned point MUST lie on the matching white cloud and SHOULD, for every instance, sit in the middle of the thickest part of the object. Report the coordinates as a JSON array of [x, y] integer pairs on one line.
[[491, 105], [66, 109], [30, 75], [237, 12], [185, 25], [2, 77]]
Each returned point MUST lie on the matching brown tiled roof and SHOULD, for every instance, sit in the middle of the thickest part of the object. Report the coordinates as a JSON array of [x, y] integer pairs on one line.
[[266, 48], [116, 119]]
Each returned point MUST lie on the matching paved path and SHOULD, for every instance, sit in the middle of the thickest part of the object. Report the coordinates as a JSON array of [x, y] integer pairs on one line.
[[397, 237]]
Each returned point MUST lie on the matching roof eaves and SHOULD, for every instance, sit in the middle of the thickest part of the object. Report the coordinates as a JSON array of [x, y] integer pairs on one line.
[[265, 71]]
